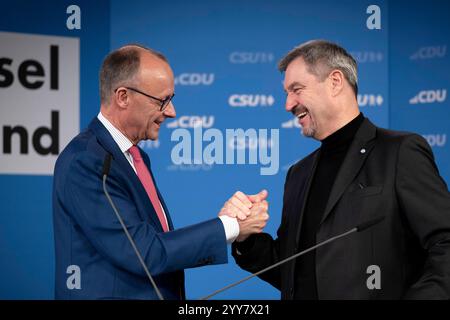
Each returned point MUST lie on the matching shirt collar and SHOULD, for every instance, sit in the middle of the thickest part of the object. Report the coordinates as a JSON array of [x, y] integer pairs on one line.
[[122, 141]]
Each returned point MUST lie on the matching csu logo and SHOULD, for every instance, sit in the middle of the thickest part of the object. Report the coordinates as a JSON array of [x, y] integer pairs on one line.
[[192, 122], [251, 100], [429, 53], [194, 79], [370, 100], [251, 57], [429, 96], [367, 56]]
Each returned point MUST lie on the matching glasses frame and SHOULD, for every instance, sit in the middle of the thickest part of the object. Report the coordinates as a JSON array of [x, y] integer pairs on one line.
[[164, 102]]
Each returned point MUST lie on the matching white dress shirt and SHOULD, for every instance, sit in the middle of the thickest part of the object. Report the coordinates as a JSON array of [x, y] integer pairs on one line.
[[230, 225]]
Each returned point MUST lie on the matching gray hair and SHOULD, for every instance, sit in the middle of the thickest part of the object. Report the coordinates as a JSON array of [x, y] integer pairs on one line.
[[321, 57], [121, 66]]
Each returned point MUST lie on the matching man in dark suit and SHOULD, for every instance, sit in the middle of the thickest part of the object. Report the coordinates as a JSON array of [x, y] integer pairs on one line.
[[359, 172], [137, 87]]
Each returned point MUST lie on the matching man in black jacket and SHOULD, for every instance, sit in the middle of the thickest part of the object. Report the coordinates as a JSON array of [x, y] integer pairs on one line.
[[359, 172]]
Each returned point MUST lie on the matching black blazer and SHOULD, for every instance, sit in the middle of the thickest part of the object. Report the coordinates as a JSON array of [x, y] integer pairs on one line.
[[384, 173]]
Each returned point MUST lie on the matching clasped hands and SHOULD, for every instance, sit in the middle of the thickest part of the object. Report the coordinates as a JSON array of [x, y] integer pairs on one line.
[[250, 212]]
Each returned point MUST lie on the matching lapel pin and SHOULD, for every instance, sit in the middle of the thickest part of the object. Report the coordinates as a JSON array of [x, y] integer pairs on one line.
[[362, 151]]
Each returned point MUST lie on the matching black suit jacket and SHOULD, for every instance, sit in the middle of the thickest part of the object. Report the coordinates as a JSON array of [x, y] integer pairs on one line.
[[384, 173]]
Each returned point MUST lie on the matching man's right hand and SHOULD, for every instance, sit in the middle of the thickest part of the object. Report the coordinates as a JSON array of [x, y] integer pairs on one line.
[[239, 205], [255, 222]]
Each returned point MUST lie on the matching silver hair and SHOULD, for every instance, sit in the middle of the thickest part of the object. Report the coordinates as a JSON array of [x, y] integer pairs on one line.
[[321, 57]]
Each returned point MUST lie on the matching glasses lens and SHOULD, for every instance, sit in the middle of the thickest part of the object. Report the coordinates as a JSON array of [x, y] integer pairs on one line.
[[166, 102]]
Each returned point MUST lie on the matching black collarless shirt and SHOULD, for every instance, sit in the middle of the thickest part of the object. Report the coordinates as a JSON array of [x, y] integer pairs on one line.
[[331, 155]]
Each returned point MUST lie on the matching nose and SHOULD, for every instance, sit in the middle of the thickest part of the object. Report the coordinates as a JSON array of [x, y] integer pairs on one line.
[[170, 112], [291, 102]]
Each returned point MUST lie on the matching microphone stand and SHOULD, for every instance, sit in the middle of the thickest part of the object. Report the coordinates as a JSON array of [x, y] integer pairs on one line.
[[358, 228], [106, 167]]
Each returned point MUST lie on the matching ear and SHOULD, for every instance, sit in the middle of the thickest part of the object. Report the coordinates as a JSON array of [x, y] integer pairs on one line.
[[121, 97], [337, 82]]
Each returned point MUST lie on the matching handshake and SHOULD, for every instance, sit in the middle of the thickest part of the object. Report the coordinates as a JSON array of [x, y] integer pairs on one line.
[[250, 212]]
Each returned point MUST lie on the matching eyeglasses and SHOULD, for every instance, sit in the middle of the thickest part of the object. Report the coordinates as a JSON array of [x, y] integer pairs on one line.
[[164, 102]]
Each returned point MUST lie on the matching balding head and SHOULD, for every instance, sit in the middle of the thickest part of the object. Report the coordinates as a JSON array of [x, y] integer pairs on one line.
[[122, 67]]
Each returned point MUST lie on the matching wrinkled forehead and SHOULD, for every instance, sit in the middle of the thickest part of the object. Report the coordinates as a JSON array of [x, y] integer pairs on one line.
[[155, 76], [298, 72], [152, 66]]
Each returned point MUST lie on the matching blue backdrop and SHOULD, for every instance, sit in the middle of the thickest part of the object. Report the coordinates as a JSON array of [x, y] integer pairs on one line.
[[221, 52]]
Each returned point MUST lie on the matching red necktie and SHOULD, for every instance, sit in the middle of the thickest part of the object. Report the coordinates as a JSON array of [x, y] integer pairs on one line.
[[147, 181]]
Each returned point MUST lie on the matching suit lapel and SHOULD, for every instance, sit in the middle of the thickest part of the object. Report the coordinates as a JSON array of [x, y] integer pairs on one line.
[[303, 193], [356, 155], [302, 184], [107, 141]]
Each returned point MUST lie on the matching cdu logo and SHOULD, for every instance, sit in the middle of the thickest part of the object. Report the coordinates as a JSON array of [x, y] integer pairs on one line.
[[430, 52], [195, 79], [436, 140], [192, 122], [429, 96]]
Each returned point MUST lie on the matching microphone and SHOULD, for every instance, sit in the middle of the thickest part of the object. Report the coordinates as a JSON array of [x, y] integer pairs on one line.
[[361, 227], [106, 168], [107, 164]]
